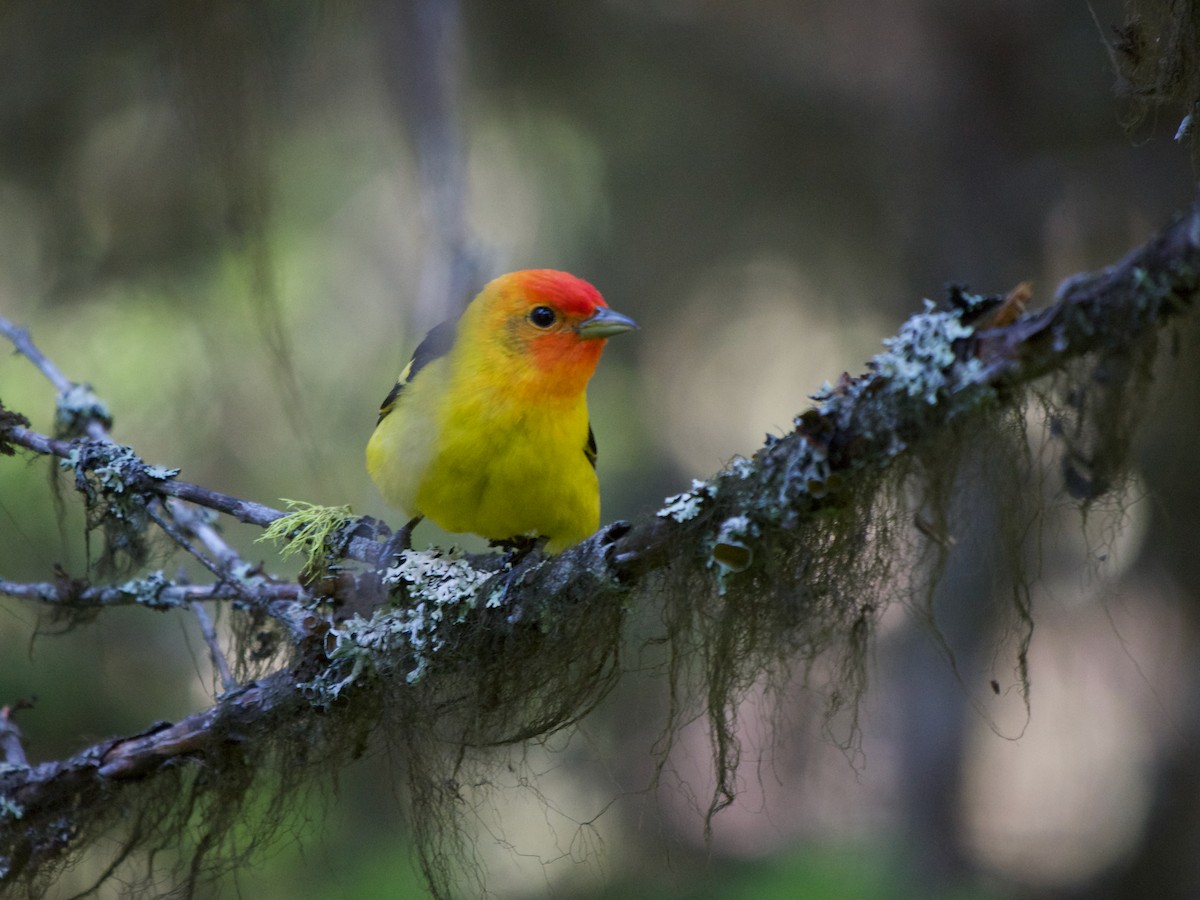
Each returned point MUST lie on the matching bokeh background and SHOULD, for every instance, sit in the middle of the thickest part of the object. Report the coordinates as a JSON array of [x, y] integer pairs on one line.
[[236, 219]]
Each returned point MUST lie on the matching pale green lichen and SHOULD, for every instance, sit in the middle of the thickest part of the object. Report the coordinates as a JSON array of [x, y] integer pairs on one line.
[[732, 551], [112, 468], [441, 590], [685, 506], [444, 580], [110, 477], [811, 467], [919, 359], [75, 407], [739, 467], [920, 364], [150, 591]]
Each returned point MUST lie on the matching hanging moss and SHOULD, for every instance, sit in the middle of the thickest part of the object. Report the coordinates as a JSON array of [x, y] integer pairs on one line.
[[778, 567]]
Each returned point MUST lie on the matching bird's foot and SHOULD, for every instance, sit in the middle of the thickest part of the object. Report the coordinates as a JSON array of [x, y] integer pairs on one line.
[[522, 555], [517, 548], [398, 542]]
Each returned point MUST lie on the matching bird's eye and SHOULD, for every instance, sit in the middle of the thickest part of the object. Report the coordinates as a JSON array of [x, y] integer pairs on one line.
[[542, 316]]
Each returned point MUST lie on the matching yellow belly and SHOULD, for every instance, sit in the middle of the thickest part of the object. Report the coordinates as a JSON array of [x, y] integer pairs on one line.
[[492, 470]]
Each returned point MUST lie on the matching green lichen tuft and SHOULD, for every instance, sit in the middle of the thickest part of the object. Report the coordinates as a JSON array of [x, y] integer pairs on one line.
[[315, 532]]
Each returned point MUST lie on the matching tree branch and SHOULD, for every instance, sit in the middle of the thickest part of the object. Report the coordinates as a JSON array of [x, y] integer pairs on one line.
[[77, 594], [243, 510], [864, 423], [559, 621]]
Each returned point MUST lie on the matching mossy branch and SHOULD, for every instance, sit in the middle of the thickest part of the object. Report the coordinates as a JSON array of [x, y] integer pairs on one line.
[[773, 562]]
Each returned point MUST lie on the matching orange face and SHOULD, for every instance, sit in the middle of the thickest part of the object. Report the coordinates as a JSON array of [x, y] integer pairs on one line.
[[555, 321]]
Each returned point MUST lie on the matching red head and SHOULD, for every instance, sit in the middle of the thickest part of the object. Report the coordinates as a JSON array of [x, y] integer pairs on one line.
[[550, 326]]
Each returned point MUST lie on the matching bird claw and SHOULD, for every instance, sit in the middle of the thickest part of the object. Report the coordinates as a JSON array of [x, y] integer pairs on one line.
[[518, 547], [522, 556], [399, 542]]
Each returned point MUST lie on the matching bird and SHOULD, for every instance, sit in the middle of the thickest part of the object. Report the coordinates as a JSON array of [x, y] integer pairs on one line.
[[487, 430]]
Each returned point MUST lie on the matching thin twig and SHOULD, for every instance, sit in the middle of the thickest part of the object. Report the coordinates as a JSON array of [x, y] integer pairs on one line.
[[228, 682], [243, 510], [364, 547], [85, 596], [194, 523], [22, 341], [174, 533]]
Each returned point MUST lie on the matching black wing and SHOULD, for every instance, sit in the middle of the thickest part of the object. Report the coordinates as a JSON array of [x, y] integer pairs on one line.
[[589, 449], [436, 344]]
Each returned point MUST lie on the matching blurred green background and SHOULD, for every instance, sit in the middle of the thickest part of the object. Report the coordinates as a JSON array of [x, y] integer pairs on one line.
[[236, 219]]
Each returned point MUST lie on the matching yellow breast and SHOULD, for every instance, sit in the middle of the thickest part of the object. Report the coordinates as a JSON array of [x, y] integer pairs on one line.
[[487, 461]]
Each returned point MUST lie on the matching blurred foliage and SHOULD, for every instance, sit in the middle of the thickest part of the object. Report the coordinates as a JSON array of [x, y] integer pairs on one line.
[[213, 213]]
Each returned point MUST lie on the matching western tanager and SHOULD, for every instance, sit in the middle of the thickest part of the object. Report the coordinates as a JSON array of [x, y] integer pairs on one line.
[[487, 428]]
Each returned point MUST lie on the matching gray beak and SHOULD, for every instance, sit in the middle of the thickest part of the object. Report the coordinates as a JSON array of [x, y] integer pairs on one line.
[[605, 323]]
